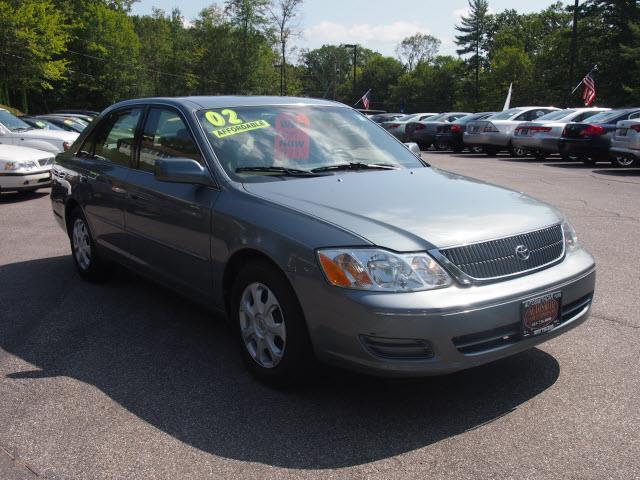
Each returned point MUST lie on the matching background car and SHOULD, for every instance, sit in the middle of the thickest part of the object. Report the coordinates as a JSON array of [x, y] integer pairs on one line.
[[494, 133], [397, 126], [625, 144], [70, 124], [450, 135], [90, 114], [23, 169], [424, 132], [14, 131], [385, 117], [589, 142], [541, 137], [41, 123]]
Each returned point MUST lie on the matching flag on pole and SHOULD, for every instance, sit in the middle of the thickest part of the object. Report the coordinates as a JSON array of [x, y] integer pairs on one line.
[[589, 92], [365, 99], [507, 103]]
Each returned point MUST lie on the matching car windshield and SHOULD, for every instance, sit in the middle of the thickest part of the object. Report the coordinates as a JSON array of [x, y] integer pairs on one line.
[[253, 143], [507, 114], [557, 115], [435, 118], [44, 124], [605, 117], [12, 122]]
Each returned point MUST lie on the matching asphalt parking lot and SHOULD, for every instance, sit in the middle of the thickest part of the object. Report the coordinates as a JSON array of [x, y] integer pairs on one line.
[[127, 380]]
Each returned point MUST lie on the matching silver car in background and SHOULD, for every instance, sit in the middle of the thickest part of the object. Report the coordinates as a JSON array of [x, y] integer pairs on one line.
[[625, 144], [541, 137], [494, 134], [397, 127]]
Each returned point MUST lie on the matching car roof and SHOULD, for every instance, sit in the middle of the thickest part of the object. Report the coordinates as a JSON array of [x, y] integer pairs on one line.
[[225, 101]]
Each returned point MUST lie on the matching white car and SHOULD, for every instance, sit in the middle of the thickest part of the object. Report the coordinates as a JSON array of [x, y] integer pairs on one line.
[[14, 131], [542, 137], [24, 169], [494, 133], [625, 144]]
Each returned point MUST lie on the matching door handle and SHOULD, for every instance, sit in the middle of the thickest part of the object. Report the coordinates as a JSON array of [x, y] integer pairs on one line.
[[119, 190]]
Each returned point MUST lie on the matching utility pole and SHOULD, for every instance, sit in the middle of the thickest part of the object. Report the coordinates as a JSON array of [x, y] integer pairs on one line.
[[573, 52], [355, 61]]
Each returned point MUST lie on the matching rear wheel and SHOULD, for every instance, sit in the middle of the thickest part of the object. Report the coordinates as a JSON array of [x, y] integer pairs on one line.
[[570, 158], [441, 146], [540, 155], [88, 262], [457, 148], [588, 161], [623, 162], [518, 152], [476, 150], [270, 325]]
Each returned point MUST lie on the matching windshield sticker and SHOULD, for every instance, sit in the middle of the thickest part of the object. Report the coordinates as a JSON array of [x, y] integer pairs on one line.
[[243, 127], [292, 141]]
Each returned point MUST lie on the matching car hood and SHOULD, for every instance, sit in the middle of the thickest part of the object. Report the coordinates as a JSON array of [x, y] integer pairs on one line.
[[13, 153], [50, 135], [411, 210]]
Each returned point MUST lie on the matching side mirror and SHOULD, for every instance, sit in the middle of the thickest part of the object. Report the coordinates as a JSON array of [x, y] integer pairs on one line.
[[182, 170], [413, 148]]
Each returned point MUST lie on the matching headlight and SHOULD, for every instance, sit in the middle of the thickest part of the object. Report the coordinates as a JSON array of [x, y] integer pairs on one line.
[[380, 270], [570, 237]]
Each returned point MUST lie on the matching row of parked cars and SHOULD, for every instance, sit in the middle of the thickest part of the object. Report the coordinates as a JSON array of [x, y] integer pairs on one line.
[[589, 135], [28, 145]]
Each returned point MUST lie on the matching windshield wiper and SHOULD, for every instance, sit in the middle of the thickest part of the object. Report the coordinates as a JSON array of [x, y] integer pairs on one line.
[[293, 172], [355, 166]]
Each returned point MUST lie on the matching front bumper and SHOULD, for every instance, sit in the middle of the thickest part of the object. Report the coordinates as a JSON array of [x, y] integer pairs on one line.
[[462, 327], [497, 139], [16, 182], [539, 142]]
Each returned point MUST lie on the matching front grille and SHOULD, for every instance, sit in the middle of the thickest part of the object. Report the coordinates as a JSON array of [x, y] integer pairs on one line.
[[497, 258], [481, 342]]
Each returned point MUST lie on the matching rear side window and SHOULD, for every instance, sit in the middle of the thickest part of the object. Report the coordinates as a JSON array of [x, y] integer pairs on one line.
[[166, 136], [114, 137], [584, 115]]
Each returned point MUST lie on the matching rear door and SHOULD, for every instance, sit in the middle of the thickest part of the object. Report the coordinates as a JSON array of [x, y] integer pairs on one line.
[[105, 161], [170, 223]]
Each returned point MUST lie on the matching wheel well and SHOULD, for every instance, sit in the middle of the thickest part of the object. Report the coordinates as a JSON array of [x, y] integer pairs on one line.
[[235, 263], [68, 208]]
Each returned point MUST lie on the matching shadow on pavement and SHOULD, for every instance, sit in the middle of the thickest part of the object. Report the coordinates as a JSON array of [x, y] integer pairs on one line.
[[15, 197], [619, 172], [165, 360]]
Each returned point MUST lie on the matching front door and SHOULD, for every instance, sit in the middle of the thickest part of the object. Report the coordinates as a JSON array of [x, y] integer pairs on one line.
[[170, 223]]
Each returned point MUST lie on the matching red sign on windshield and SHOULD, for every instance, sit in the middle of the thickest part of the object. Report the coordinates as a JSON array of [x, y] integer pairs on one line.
[[292, 141]]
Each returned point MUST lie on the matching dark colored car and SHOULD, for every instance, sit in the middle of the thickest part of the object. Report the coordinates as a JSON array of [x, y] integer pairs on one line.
[[450, 135], [385, 117], [424, 133], [65, 123], [589, 142], [318, 235]]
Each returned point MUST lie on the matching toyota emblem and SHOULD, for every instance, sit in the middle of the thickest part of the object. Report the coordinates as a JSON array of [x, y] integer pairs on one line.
[[522, 252]]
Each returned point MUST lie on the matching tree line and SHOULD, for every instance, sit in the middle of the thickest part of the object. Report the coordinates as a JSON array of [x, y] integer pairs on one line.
[[91, 53]]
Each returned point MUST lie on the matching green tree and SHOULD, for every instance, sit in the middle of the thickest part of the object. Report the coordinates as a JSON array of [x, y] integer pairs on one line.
[[284, 15], [472, 39], [379, 75], [33, 35], [418, 48]]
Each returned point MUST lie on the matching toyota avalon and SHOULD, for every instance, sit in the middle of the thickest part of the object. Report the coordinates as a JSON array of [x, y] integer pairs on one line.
[[318, 235]]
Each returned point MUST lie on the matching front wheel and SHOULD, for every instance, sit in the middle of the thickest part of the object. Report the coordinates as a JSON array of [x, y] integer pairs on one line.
[[88, 262], [518, 152], [623, 162], [270, 325]]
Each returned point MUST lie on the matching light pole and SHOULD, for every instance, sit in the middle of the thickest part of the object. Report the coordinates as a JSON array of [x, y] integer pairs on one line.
[[355, 59], [572, 53]]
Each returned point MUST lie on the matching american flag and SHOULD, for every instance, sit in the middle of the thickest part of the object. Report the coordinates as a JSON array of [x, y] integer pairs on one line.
[[589, 93], [365, 100]]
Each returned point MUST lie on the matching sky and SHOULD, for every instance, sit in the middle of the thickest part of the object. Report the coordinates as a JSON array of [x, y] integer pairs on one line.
[[376, 24]]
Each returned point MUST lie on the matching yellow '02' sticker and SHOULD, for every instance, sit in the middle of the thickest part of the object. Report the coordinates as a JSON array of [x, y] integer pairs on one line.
[[240, 128]]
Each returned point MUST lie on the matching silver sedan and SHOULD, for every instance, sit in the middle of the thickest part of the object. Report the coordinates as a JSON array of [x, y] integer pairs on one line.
[[625, 144]]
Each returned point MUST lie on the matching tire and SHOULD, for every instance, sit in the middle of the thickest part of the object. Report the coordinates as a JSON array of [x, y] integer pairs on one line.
[[570, 158], [457, 149], [491, 151], [588, 161], [88, 262], [441, 147], [272, 336], [517, 152], [476, 150], [623, 162]]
